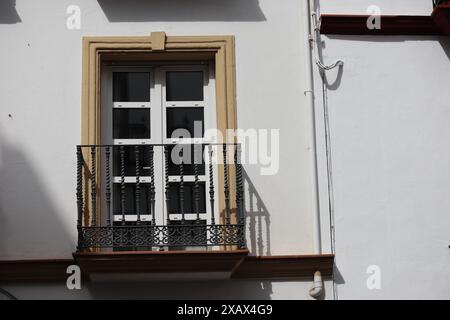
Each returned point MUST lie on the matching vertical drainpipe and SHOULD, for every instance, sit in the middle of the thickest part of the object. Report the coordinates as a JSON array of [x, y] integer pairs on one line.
[[309, 93], [308, 5]]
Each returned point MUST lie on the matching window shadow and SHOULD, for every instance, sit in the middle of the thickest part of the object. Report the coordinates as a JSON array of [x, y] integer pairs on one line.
[[30, 226], [8, 12], [257, 219], [181, 10]]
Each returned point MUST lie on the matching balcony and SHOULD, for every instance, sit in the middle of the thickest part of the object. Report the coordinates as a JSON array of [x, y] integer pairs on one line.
[[165, 209]]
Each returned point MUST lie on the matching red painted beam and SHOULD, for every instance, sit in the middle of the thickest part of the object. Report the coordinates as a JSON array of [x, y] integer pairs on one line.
[[339, 24], [441, 16]]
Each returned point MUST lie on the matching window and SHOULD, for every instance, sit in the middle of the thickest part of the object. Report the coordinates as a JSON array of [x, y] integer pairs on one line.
[[145, 108], [136, 122]]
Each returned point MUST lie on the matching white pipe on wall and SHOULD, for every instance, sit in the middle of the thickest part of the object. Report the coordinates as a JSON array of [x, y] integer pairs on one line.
[[311, 30], [317, 288], [307, 5], [309, 93]]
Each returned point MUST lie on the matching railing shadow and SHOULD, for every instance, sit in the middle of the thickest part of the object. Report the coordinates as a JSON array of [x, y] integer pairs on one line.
[[257, 219], [181, 10], [8, 12]]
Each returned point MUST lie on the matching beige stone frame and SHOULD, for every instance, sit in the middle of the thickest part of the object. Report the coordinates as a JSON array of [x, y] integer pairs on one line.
[[157, 46]]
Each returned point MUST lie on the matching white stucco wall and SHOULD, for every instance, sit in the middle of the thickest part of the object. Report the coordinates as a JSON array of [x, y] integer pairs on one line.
[[200, 290], [388, 105], [40, 126], [388, 111], [41, 81]]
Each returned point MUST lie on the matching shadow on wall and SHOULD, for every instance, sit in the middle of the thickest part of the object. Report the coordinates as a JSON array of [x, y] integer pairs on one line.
[[181, 10], [30, 227], [258, 229], [8, 13], [176, 290], [257, 219], [331, 84], [445, 43]]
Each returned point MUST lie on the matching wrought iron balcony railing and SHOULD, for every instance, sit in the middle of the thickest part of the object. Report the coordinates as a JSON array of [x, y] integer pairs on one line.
[[153, 197]]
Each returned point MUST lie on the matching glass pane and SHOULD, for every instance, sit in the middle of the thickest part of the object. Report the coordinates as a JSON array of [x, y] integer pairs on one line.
[[130, 198], [184, 86], [192, 154], [189, 206], [190, 119], [131, 123], [131, 86], [130, 161]]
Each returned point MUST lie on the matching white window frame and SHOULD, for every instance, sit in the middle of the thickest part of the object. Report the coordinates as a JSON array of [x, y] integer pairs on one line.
[[158, 106]]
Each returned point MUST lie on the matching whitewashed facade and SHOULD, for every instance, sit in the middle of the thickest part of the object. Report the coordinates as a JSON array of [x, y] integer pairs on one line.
[[382, 194]]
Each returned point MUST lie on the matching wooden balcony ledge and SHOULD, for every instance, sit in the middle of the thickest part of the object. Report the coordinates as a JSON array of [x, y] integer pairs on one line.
[[441, 16], [169, 265], [160, 265], [198, 265]]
